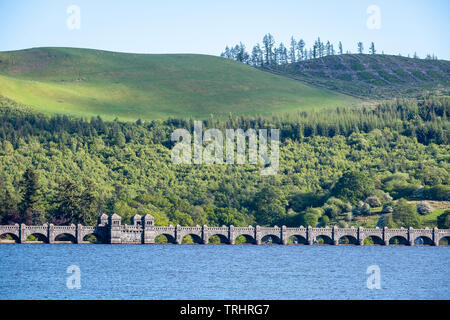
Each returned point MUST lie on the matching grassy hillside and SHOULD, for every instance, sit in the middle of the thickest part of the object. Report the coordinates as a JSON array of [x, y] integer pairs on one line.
[[87, 82], [373, 76]]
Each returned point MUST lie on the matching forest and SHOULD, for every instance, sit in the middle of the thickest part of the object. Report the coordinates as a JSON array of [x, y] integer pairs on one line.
[[386, 165]]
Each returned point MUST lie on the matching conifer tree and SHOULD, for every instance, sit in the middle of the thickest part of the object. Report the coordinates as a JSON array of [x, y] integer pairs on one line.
[[360, 47], [292, 50], [31, 193], [301, 51], [372, 48]]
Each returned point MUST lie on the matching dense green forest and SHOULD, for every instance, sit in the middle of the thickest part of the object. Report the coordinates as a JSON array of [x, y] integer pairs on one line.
[[347, 166]]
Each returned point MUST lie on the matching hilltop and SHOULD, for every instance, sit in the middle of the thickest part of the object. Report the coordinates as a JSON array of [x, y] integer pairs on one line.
[[371, 76], [85, 82]]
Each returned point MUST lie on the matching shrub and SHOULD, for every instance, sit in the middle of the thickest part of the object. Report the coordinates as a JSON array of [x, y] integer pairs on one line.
[[316, 211], [335, 206], [382, 196], [387, 197], [386, 220], [405, 214], [387, 208], [373, 201], [310, 219], [362, 209], [424, 208]]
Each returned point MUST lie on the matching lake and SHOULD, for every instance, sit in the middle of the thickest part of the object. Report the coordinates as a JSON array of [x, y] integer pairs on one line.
[[39, 271]]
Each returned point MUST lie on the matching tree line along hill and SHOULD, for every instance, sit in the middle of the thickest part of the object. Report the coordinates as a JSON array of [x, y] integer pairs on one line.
[[372, 75]]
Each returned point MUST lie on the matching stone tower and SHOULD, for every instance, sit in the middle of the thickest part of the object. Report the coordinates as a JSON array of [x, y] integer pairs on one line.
[[136, 220], [115, 229], [148, 220], [102, 220], [148, 223]]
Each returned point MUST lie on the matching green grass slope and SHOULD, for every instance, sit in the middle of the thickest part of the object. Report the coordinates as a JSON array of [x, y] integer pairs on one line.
[[371, 76], [86, 82]]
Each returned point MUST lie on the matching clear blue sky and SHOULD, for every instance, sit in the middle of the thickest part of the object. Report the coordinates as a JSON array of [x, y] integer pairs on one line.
[[206, 26]]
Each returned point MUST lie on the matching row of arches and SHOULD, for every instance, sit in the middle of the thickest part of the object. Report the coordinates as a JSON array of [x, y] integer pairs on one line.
[[241, 239], [298, 240], [41, 238]]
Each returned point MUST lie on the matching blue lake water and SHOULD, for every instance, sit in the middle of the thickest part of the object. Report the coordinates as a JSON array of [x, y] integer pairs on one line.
[[38, 271]]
